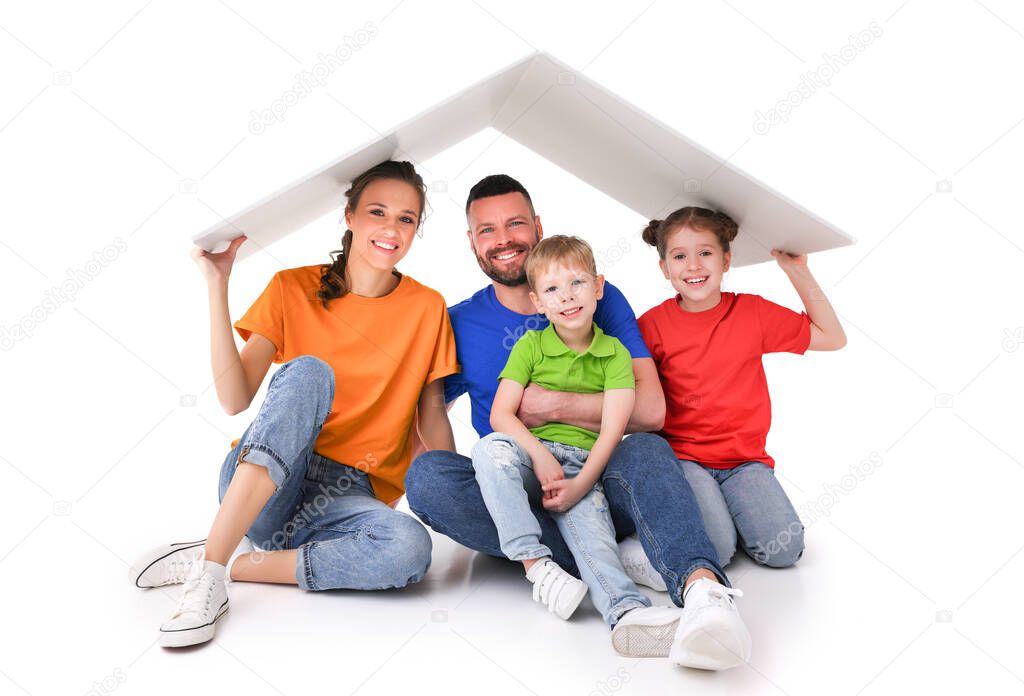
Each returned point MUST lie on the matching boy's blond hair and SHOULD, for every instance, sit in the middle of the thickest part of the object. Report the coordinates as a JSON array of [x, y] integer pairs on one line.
[[564, 249]]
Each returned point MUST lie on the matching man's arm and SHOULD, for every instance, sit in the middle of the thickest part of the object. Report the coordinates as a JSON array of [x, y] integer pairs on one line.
[[541, 406]]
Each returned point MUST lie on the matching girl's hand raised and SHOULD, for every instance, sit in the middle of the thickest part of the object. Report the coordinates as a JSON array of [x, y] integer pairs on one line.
[[790, 262], [217, 267]]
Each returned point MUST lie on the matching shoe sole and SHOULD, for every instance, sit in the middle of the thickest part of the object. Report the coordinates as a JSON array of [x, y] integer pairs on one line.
[[154, 556], [645, 640], [191, 636]]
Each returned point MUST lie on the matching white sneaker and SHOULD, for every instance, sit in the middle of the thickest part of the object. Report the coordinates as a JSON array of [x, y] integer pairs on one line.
[[560, 592], [646, 631], [638, 567], [204, 600], [711, 634], [170, 564]]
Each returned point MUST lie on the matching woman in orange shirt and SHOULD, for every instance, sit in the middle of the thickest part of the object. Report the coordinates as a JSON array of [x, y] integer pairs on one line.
[[313, 480]]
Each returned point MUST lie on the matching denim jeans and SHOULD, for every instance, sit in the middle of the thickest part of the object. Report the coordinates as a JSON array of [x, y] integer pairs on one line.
[[747, 500], [646, 491], [346, 538], [499, 462]]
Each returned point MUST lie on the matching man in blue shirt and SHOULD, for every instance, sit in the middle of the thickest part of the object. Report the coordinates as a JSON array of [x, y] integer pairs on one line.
[[646, 491]]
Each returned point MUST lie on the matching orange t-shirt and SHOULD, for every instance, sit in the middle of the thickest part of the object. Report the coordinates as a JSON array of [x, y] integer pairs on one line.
[[384, 351]]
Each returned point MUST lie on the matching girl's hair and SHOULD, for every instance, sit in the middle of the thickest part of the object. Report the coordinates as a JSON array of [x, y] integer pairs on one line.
[[721, 225], [332, 275]]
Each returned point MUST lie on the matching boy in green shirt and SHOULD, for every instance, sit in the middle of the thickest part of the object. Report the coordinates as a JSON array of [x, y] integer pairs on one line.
[[562, 462]]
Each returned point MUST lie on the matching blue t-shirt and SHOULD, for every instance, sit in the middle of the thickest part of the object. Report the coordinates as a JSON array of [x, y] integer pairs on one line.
[[486, 330]]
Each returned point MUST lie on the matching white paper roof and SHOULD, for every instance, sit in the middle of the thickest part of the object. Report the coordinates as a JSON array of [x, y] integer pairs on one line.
[[581, 127]]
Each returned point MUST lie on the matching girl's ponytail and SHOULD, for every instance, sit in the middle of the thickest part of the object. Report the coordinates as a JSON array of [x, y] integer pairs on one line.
[[650, 233]]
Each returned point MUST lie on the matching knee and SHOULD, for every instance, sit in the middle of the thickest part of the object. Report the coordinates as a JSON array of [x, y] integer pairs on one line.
[[495, 450], [642, 454], [783, 549], [308, 373], [408, 551], [435, 480], [417, 479], [724, 541]]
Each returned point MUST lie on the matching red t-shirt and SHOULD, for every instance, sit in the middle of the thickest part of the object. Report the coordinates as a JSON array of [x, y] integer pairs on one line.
[[717, 407]]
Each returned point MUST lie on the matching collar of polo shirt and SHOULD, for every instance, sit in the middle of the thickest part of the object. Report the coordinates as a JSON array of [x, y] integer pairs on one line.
[[552, 345]]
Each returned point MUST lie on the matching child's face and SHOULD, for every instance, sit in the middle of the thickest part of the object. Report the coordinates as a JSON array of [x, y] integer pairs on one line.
[[695, 263], [383, 223], [567, 295]]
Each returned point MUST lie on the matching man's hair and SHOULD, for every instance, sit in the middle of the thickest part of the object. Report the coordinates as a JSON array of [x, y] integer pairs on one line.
[[497, 185], [568, 251]]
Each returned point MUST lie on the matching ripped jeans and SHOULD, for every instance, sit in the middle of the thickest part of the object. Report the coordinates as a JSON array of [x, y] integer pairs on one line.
[[505, 475]]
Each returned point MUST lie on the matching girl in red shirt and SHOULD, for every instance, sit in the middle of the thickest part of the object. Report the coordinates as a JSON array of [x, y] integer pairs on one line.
[[708, 345]]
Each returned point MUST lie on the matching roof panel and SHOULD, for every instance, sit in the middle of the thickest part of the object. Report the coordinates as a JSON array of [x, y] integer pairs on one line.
[[580, 126]]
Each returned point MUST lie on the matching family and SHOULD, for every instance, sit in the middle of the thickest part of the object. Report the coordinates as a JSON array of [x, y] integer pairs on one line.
[[613, 451]]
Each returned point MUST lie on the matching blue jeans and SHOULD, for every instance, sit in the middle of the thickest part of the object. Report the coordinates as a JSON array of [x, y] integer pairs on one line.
[[346, 538], [499, 462], [747, 500], [646, 492]]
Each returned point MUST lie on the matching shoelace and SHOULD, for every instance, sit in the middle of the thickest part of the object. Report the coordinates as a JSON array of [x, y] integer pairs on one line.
[[196, 595], [177, 571], [723, 595]]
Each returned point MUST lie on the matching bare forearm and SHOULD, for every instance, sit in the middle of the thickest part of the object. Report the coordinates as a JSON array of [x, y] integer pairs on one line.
[[584, 411], [600, 453], [228, 375], [581, 410], [435, 431], [817, 306], [618, 404], [539, 405]]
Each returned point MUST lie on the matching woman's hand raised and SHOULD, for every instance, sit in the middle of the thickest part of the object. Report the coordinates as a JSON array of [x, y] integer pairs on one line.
[[217, 267]]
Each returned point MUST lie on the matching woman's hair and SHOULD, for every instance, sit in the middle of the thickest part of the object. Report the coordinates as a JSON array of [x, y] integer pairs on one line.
[[332, 275], [721, 225]]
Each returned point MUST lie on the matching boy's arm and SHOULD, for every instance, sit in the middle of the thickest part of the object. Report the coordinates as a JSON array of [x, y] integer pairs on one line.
[[826, 331], [504, 420], [617, 405], [433, 429], [540, 406]]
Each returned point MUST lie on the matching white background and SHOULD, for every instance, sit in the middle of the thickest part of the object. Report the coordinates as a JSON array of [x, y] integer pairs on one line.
[[911, 579]]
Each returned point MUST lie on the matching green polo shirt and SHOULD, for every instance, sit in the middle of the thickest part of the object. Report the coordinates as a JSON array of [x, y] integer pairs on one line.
[[542, 357]]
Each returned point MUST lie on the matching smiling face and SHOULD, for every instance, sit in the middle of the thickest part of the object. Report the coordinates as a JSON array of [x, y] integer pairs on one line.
[[567, 295], [695, 263], [383, 222], [502, 230]]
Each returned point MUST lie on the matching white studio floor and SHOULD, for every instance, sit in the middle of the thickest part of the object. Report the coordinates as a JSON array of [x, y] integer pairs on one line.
[[842, 618]]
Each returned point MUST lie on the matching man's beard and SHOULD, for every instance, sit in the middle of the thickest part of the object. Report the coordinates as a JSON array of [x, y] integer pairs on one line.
[[512, 277]]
